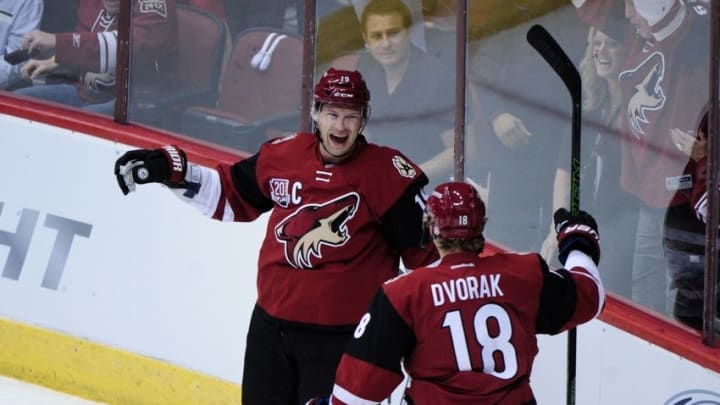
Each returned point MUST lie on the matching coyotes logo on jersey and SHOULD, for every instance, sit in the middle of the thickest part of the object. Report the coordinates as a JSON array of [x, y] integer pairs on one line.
[[648, 94], [311, 226]]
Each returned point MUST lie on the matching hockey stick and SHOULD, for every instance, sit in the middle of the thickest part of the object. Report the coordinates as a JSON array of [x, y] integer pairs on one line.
[[553, 54]]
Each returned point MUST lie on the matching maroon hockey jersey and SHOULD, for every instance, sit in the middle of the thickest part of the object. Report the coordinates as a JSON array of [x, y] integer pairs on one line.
[[92, 47], [664, 84], [335, 232], [466, 329], [699, 191]]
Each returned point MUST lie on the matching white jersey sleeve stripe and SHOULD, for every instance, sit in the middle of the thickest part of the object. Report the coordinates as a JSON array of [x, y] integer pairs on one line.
[[111, 38], [577, 258], [208, 197], [701, 208], [107, 47], [349, 398], [102, 52]]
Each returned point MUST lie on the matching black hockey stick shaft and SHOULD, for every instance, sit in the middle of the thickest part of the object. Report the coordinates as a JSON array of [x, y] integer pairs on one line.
[[548, 48]]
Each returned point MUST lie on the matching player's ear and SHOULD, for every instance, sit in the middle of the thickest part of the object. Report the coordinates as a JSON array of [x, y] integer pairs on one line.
[[315, 111]]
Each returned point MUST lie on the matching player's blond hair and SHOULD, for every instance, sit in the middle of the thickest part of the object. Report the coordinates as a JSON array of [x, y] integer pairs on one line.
[[595, 90], [474, 245]]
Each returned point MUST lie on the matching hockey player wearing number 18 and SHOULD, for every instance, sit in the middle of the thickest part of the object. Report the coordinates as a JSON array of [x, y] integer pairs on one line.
[[342, 214], [466, 329]]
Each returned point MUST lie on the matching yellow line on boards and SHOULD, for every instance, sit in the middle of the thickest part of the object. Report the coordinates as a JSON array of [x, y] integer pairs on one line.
[[100, 373]]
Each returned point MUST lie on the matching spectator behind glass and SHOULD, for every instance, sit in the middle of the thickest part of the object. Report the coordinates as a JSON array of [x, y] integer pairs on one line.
[[684, 237], [413, 97], [85, 60], [521, 118], [338, 225], [476, 346], [600, 158], [17, 17], [664, 83]]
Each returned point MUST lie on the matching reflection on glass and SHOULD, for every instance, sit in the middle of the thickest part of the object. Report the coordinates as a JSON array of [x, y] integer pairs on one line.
[[601, 193], [75, 67], [237, 79], [408, 69], [521, 117], [157, 62], [18, 19], [645, 82], [664, 84], [684, 231], [645, 87]]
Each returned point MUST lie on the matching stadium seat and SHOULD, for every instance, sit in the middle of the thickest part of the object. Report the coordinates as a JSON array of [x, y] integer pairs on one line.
[[260, 93], [202, 37]]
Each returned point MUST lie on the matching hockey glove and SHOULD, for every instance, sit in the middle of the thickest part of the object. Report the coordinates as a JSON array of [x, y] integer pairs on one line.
[[166, 165], [576, 232]]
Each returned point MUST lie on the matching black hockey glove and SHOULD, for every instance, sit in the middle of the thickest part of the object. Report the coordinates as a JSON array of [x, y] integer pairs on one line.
[[166, 165], [579, 232]]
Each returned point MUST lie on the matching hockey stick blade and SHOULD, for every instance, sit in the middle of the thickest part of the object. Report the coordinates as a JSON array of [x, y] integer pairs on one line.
[[548, 48]]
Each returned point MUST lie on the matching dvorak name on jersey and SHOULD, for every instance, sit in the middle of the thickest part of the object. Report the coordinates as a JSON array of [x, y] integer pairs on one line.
[[466, 288]]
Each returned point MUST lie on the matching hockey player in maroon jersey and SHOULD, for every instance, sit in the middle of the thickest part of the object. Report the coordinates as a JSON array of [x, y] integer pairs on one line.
[[343, 213], [465, 329], [85, 59]]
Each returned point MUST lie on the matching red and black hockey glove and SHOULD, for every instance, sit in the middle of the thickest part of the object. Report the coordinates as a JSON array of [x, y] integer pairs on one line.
[[576, 232], [166, 165]]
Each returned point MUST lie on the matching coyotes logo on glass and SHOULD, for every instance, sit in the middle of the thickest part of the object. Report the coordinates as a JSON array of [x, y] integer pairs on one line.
[[311, 226]]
